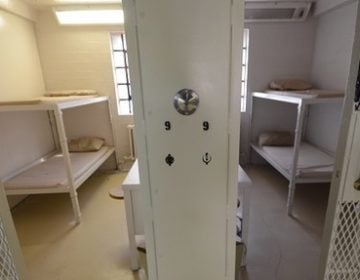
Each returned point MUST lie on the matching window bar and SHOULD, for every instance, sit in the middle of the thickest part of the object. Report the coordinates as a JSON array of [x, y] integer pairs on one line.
[[126, 73]]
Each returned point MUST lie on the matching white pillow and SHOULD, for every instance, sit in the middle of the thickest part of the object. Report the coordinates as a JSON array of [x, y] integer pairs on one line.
[[86, 144], [276, 138]]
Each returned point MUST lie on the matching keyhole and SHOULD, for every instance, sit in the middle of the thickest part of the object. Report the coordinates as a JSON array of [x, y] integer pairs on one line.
[[206, 126], [207, 158], [170, 159], [167, 125]]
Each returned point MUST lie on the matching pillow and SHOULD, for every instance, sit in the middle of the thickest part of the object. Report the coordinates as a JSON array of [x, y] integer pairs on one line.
[[290, 85], [86, 144], [276, 138]]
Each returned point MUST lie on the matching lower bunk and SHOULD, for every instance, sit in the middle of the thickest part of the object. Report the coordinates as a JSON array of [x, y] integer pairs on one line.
[[314, 165], [49, 175]]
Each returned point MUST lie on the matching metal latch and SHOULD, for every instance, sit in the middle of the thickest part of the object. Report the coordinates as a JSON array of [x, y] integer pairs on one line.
[[357, 185]]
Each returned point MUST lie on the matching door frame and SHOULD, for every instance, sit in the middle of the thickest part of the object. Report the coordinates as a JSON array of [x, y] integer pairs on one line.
[[11, 235], [131, 30]]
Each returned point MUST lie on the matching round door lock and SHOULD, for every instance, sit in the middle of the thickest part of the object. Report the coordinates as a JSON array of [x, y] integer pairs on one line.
[[357, 185], [186, 101]]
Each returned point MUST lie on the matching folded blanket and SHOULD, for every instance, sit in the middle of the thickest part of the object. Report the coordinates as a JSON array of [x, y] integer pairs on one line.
[[290, 85], [312, 93], [78, 92]]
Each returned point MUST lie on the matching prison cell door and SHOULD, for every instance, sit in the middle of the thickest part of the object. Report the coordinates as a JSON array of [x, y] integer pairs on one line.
[[343, 259], [341, 249], [185, 66]]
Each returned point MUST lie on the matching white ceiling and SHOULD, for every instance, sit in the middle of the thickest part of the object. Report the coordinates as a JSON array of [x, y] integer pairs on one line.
[[47, 3]]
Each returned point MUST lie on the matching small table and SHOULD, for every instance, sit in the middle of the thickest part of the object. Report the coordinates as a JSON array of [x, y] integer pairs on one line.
[[134, 209]]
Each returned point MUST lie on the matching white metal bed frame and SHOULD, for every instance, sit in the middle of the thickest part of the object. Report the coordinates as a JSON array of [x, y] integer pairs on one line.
[[55, 108], [302, 106]]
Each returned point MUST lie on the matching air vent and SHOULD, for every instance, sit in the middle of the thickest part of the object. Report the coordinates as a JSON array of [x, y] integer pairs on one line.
[[258, 11]]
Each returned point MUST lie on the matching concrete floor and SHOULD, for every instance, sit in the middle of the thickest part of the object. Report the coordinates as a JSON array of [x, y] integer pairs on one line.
[[280, 248], [55, 249]]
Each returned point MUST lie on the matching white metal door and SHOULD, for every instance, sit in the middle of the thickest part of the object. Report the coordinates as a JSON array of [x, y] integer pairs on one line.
[[188, 163], [341, 252], [11, 262], [343, 260]]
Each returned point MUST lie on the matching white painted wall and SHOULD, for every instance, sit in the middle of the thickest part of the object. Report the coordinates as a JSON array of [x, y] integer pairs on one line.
[[331, 63], [277, 51], [19, 8], [323, 6], [20, 69], [24, 136], [89, 121], [80, 58], [335, 35], [319, 51]]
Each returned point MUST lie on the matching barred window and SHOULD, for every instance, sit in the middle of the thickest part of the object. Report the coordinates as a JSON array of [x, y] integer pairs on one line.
[[245, 64], [121, 74]]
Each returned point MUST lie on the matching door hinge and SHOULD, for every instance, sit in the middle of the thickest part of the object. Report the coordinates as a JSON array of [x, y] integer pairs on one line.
[[357, 91]]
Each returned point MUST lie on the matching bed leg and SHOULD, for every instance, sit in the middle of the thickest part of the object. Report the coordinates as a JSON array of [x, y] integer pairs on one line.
[[290, 201], [76, 208]]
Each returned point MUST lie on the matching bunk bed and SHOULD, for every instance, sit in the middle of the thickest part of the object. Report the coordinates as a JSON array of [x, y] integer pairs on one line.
[[60, 171], [302, 162]]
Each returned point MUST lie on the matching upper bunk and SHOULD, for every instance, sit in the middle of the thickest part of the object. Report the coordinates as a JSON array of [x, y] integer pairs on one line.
[[50, 103], [301, 97]]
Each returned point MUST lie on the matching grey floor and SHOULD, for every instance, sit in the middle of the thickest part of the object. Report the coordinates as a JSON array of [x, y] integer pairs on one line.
[[282, 247]]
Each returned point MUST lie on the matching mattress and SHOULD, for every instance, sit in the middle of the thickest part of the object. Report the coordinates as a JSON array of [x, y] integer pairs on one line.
[[52, 172], [312, 161], [312, 93]]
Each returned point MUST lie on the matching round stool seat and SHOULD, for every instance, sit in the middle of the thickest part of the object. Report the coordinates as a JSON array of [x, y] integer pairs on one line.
[[117, 193]]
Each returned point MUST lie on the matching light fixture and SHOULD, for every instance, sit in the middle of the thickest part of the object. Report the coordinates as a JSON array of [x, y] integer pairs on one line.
[[4, 3], [90, 16]]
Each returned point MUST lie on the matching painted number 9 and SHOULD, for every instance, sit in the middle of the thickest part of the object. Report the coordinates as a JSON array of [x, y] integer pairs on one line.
[[206, 126], [167, 125]]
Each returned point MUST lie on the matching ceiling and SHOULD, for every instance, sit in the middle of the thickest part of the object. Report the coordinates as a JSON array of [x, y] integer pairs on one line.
[[47, 3]]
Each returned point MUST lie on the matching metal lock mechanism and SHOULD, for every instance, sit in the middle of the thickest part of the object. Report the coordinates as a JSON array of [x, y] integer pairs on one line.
[[186, 101]]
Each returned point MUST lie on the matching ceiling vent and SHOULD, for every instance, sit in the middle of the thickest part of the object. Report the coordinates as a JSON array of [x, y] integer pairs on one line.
[[276, 11]]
